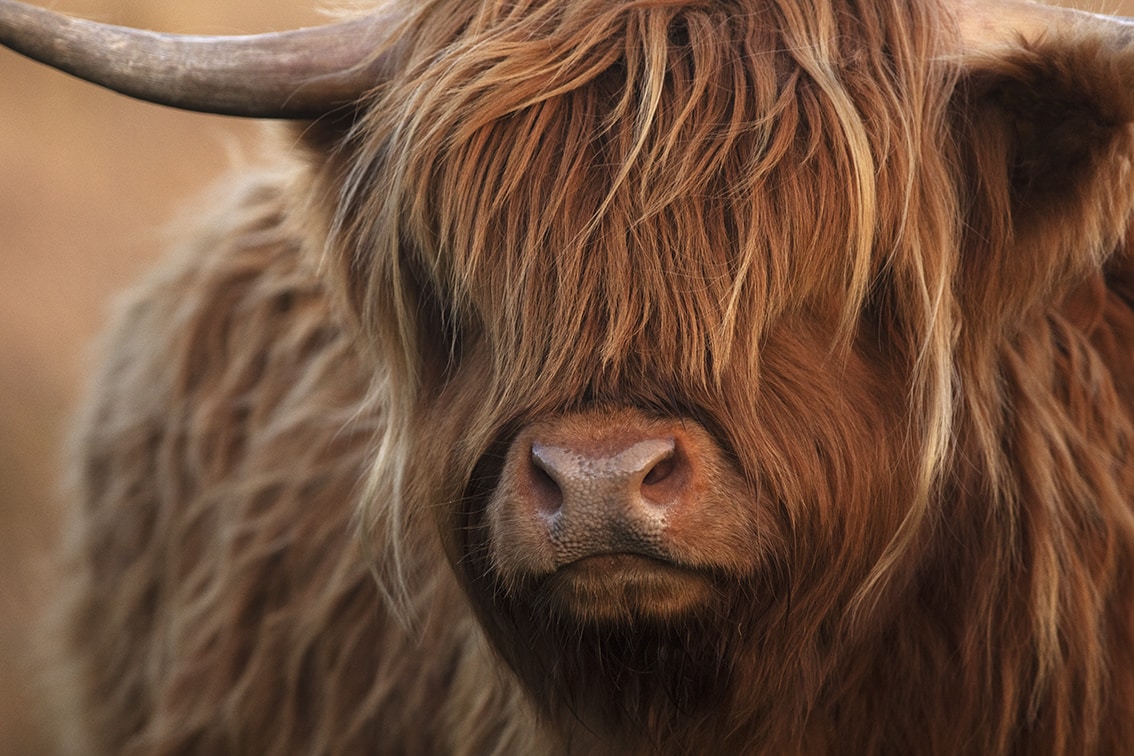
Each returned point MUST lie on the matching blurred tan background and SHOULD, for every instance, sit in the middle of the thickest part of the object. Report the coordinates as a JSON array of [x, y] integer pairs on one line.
[[87, 179]]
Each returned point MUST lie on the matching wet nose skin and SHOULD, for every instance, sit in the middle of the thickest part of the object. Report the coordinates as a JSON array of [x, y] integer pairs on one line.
[[608, 513], [611, 500]]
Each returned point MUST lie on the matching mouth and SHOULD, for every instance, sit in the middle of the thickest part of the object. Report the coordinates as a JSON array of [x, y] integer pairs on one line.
[[622, 586]]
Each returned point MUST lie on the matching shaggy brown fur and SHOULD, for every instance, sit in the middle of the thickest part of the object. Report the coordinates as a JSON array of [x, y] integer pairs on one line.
[[889, 281]]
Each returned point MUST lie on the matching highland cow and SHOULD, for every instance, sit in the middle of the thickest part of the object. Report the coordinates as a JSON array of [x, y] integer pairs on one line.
[[623, 376]]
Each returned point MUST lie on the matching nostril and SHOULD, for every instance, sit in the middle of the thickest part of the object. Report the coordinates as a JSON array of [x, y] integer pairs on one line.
[[661, 470], [667, 477], [546, 492]]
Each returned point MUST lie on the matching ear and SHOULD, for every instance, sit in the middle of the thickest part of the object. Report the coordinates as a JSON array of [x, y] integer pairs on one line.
[[1045, 144]]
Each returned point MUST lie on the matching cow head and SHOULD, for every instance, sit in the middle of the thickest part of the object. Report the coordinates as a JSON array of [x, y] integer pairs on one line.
[[683, 314]]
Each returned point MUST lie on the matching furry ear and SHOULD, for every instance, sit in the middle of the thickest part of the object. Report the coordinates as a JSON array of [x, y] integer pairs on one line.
[[1045, 142]]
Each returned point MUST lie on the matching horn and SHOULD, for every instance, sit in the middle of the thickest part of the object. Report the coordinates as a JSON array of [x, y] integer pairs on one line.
[[295, 75], [990, 26]]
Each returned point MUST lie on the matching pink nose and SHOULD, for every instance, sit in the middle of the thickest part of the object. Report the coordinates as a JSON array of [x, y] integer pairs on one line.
[[609, 495], [639, 476], [607, 511]]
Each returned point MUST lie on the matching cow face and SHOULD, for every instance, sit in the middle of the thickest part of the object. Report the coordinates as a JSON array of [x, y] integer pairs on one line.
[[672, 301], [669, 286]]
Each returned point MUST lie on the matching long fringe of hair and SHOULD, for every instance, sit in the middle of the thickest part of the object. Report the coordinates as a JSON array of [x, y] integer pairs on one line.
[[531, 155]]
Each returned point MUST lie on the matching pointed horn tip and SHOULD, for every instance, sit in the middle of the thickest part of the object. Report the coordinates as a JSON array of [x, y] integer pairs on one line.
[[292, 75]]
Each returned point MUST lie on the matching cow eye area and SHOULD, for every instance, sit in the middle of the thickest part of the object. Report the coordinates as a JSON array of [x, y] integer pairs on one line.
[[441, 334]]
